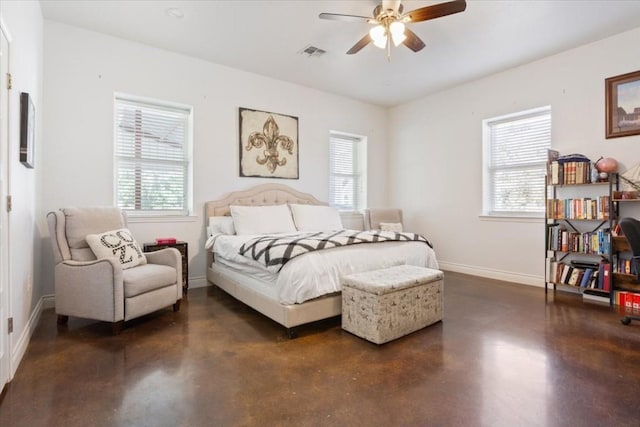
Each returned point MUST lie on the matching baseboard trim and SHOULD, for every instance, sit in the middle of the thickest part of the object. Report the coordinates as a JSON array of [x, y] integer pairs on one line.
[[198, 282], [20, 347], [507, 276], [48, 301]]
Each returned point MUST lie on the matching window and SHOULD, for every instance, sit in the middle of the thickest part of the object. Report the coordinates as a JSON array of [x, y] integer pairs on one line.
[[515, 155], [347, 171], [153, 141]]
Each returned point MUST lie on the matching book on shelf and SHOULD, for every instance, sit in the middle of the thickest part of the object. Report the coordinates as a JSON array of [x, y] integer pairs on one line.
[[574, 279], [594, 280], [566, 273], [604, 279], [554, 173], [558, 277], [568, 173], [569, 169], [580, 172], [619, 297], [590, 242], [624, 265], [578, 208], [586, 277]]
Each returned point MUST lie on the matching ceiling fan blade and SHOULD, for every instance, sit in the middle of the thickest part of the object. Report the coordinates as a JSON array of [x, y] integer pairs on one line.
[[347, 18], [436, 11], [412, 41], [358, 46]]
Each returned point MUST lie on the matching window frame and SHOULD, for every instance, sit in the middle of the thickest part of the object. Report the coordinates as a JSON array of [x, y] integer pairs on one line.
[[137, 215], [359, 171], [488, 208]]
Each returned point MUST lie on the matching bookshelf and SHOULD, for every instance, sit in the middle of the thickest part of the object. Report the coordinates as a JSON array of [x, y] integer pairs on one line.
[[585, 252], [580, 214]]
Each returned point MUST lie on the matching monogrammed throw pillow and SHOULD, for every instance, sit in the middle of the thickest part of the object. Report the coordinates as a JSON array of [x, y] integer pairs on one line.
[[118, 244]]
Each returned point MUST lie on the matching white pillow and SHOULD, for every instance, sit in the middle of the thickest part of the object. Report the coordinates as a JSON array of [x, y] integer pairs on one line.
[[262, 219], [316, 218], [118, 244], [391, 226], [221, 225]]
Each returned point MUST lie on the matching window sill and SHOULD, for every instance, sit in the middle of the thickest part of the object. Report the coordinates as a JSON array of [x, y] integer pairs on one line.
[[156, 219], [512, 218]]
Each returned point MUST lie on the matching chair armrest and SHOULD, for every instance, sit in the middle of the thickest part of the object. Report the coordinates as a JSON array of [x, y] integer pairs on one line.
[[166, 256], [170, 257], [90, 289]]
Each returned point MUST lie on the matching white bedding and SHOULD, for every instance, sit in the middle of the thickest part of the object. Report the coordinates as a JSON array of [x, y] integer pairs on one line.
[[318, 273]]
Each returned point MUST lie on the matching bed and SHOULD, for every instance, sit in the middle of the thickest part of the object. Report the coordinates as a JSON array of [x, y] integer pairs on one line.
[[261, 289]]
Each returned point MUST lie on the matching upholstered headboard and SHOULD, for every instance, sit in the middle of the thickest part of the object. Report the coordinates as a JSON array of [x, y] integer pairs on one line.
[[260, 195]]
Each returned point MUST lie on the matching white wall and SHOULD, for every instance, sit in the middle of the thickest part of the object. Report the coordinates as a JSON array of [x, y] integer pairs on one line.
[[24, 22], [83, 70], [436, 153]]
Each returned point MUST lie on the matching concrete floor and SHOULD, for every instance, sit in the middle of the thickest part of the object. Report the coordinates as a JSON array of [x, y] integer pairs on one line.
[[504, 355]]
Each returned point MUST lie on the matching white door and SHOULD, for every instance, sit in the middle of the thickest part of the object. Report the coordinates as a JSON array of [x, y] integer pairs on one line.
[[5, 366]]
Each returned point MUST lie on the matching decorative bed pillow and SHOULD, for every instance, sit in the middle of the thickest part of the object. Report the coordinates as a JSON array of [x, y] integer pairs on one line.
[[118, 244], [391, 226], [262, 219], [221, 225], [316, 218]]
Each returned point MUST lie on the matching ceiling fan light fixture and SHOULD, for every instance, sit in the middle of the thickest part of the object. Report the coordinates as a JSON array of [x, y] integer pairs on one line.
[[389, 20], [379, 36], [397, 32]]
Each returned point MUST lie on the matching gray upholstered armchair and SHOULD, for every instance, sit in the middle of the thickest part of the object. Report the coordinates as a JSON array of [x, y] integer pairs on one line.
[[373, 217], [100, 288]]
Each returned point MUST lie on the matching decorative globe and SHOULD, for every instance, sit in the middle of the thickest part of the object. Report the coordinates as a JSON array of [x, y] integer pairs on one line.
[[607, 164]]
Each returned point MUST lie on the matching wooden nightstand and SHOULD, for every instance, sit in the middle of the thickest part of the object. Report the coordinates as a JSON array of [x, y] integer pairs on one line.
[[183, 247]]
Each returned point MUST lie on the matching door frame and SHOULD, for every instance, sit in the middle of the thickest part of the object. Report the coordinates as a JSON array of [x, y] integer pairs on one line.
[[5, 265]]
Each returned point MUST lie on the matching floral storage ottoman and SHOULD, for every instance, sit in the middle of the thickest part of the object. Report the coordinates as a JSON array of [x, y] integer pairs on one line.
[[386, 304]]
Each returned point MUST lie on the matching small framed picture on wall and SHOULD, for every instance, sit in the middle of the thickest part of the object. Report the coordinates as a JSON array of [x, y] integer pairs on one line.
[[27, 130], [623, 105]]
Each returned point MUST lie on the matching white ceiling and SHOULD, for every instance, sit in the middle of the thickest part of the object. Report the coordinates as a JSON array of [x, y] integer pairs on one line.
[[266, 37]]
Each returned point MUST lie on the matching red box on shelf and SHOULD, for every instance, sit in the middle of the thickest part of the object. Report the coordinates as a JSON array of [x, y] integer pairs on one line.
[[628, 302], [166, 240], [636, 301], [621, 298]]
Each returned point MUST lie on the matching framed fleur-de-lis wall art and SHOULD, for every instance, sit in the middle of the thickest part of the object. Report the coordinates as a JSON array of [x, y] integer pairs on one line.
[[268, 144]]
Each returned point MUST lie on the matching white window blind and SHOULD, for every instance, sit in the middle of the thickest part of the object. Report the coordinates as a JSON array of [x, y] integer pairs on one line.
[[517, 156], [152, 157], [347, 172]]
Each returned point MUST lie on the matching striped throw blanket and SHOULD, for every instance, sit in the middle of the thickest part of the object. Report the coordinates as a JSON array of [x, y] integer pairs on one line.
[[274, 251]]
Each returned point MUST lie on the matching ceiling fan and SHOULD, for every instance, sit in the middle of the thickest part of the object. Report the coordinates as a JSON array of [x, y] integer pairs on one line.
[[390, 23]]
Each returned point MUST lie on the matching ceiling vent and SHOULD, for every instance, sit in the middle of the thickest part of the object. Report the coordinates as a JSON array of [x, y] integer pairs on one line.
[[312, 51]]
